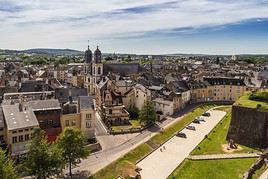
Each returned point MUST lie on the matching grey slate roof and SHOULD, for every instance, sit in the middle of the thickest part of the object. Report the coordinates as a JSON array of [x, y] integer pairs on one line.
[[62, 94], [44, 104], [33, 86], [225, 81], [15, 119], [86, 102], [120, 68]]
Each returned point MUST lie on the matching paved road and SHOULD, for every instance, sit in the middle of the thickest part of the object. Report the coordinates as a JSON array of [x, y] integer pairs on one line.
[[99, 160], [223, 156], [100, 128], [163, 161]]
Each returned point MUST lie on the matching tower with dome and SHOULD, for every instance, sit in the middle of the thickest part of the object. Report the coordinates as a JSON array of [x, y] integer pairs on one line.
[[93, 69]]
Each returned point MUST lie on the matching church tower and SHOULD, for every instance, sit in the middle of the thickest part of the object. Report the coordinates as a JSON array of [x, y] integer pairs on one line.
[[87, 68], [97, 69]]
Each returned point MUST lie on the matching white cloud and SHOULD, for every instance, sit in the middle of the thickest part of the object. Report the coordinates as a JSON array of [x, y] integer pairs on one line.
[[41, 23]]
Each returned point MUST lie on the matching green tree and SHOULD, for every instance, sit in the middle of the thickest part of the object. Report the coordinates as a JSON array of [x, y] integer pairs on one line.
[[7, 169], [43, 159], [147, 113], [73, 144], [133, 112]]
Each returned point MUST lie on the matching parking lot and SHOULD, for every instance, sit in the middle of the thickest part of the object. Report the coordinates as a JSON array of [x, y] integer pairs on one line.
[[161, 163]]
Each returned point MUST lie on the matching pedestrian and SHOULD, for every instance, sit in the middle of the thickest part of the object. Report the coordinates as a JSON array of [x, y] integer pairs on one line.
[[164, 147]]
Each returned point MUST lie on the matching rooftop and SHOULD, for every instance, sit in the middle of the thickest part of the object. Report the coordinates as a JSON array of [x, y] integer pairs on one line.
[[49, 104], [86, 102], [16, 119], [246, 102]]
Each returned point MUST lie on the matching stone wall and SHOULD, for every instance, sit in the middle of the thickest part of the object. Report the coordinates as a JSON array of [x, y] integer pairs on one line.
[[249, 127]]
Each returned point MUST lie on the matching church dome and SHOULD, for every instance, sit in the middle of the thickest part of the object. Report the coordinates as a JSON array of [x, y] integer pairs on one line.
[[97, 55], [88, 55]]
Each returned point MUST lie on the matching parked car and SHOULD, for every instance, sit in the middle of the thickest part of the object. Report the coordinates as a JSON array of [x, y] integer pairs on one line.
[[196, 121], [207, 114], [181, 134], [190, 128], [200, 118]]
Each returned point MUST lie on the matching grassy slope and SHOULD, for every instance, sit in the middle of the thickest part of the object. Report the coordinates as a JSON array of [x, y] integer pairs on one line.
[[128, 161], [213, 145], [213, 169], [244, 101]]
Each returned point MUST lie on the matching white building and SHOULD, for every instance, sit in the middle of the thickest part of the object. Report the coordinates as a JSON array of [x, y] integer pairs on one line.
[[142, 94], [163, 108]]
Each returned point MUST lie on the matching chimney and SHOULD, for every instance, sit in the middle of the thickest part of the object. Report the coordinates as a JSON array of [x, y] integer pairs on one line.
[[70, 99], [20, 107]]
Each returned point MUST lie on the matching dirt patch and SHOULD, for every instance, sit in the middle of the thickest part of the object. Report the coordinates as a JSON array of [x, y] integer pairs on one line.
[[227, 149], [128, 170]]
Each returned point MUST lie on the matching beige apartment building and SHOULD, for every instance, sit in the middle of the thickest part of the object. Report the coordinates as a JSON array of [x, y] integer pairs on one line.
[[80, 114], [226, 89], [20, 121], [78, 81]]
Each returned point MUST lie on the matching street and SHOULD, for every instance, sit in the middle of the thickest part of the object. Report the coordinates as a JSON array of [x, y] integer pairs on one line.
[[166, 158], [99, 160]]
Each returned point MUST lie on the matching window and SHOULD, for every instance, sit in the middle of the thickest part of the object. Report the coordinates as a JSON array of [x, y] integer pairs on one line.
[[26, 130], [110, 111], [88, 124], [88, 116], [73, 123], [21, 138], [27, 137], [50, 122], [1, 129], [99, 70], [1, 138], [20, 130], [14, 139], [67, 123], [14, 132]]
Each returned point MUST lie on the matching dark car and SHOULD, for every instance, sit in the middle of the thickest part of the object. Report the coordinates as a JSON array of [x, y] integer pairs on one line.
[[196, 121], [190, 128], [207, 114], [181, 134]]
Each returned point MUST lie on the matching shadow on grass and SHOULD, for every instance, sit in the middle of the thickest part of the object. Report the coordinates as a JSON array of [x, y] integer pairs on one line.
[[154, 128]]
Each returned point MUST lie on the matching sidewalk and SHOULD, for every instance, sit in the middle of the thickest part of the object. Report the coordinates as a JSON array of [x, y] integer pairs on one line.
[[223, 156]]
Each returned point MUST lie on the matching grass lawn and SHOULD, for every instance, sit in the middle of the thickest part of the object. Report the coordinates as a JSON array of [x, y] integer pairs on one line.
[[245, 101], [123, 165], [133, 124], [127, 163], [213, 169], [179, 125], [258, 172], [213, 145]]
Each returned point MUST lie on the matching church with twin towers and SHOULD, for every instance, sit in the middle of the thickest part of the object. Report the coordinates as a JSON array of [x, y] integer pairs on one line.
[[95, 70]]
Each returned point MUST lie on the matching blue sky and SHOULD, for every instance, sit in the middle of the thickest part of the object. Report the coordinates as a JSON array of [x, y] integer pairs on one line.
[[137, 26]]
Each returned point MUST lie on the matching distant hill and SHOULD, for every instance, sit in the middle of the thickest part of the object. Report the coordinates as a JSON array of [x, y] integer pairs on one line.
[[48, 51], [45, 51]]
